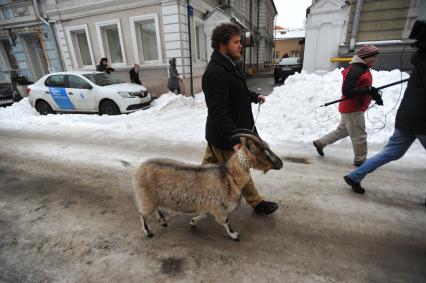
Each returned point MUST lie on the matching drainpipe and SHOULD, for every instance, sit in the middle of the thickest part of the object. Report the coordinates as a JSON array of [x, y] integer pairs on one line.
[[355, 25]]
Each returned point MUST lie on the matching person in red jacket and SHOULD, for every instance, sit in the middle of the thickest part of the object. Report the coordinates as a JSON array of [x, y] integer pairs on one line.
[[357, 85]]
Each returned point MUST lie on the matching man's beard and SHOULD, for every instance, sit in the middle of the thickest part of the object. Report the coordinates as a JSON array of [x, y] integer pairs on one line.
[[235, 58]]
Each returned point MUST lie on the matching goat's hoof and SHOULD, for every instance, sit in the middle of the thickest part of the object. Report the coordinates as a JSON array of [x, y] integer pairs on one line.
[[193, 226], [164, 224], [235, 237], [149, 235]]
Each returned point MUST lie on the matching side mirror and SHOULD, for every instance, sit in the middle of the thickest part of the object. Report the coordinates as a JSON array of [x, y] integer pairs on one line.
[[87, 86]]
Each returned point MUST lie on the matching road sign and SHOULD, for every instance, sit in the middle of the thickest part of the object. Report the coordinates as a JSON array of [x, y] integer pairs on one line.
[[190, 10]]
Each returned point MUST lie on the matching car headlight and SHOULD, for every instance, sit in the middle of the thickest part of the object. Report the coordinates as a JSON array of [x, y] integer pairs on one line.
[[126, 94]]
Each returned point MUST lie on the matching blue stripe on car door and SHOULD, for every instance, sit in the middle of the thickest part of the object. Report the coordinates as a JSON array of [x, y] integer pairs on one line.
[[59, 94]]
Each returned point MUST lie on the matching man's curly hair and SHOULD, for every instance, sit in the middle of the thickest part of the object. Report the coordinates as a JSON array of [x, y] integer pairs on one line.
[[223, 33]]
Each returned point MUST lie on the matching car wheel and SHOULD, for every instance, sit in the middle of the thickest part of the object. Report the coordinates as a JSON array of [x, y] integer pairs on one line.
[[44, 108], [108, 107]]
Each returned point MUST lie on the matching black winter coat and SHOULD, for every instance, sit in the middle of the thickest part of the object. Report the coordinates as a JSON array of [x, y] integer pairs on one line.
[[134, 77], [411, 115], [173, 82], [228, 101], [103, 68]]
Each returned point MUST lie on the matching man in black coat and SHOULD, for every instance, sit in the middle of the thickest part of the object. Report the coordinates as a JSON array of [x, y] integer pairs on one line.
[[229, 105], [410, 123]]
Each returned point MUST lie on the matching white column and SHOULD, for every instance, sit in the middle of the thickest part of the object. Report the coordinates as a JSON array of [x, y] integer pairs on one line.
[[63, 46], [172, 34]]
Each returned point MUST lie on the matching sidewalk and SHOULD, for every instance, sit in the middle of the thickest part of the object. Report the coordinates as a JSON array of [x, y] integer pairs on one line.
[[262, 82]]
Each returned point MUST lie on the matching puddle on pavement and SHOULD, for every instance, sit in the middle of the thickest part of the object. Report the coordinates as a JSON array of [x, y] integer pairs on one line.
[[171, 265]]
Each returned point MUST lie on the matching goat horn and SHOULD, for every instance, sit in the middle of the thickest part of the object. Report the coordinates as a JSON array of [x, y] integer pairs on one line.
[[254, 138], [246, 131]]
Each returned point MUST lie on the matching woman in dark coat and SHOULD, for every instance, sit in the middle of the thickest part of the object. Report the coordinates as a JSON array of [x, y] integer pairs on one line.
[[104, 67], [134, 75], [173, 83]]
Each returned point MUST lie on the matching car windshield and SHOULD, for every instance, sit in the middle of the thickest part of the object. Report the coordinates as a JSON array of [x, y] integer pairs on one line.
[[103, 79], [290, 61]]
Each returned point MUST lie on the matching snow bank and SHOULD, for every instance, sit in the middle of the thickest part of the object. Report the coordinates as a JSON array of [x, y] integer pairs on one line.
[[171, 117], [288, 114]]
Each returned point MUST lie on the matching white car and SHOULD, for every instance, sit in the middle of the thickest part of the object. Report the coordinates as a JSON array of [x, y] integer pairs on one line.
[[79, 91]]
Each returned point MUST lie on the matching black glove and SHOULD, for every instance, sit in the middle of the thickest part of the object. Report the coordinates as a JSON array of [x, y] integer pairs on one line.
[[376, 95]]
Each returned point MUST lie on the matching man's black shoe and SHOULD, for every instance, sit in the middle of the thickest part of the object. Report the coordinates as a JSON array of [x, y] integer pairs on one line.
[[356, 187], [266, 207], [319, 149]]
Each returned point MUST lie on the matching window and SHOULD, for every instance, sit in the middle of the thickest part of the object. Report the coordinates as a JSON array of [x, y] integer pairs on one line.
[[9, 54], [103, 79], [8, 13], [76, 82], [146, 39], [149, 40], [276, 55], [81, 49], [200, 41], [55, 81], [110, 41], [194, 38], [197, 35]]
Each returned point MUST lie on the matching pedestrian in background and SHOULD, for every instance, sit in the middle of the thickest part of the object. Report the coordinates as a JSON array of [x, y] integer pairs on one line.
[[357, 86], [410, 122], [104, 67], [174, 78], [134, 75]]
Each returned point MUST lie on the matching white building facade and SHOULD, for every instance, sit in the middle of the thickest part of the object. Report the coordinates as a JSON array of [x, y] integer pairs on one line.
[[150, 32], [27, 41], [338, 28], [326, 27]]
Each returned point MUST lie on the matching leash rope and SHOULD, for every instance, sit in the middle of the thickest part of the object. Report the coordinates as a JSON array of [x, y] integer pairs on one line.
[[257, 115]]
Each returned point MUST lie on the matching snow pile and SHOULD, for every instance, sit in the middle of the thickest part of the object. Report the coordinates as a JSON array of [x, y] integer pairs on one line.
[[171, 117], [288, 114], [292, 113]]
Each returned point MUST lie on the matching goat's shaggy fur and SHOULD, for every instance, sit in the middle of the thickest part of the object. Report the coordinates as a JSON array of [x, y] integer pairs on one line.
[[203, 189]]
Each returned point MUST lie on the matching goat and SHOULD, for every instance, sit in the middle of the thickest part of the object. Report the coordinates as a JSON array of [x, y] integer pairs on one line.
[[203, 189]]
